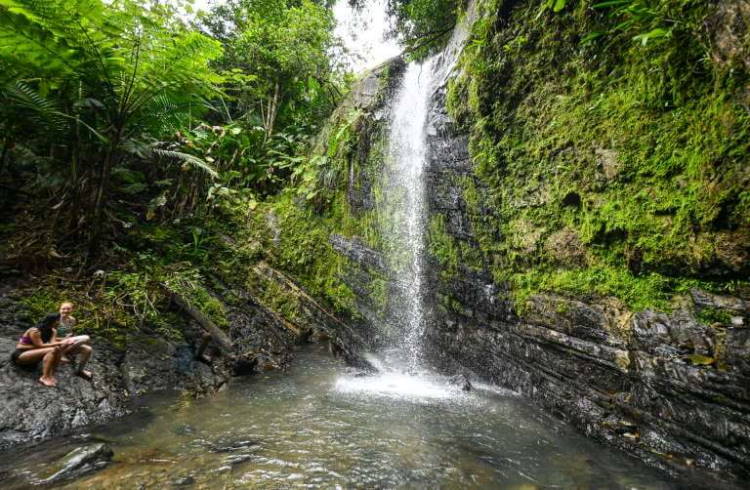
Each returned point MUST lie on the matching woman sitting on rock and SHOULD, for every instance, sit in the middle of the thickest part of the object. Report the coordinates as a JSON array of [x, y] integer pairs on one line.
[[79, 344], [40, 343]]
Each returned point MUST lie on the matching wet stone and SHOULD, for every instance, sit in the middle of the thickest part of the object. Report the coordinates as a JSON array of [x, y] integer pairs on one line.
[[80, 461], [184, 481]]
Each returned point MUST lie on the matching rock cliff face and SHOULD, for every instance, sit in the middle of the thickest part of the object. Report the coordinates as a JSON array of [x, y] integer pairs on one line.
[[671, 387], [666, 387]]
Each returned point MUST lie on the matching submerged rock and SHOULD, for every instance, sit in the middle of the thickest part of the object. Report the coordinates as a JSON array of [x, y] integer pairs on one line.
[[462, 381], [81, 461], [224, 446], [184, 481]]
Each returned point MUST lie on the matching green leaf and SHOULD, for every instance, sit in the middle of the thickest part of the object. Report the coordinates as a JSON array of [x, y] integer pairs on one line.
[[700, 360], [189, 159], [657, 33]]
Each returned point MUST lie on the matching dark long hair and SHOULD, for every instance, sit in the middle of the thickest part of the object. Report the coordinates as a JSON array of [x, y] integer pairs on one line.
[[46, 325]]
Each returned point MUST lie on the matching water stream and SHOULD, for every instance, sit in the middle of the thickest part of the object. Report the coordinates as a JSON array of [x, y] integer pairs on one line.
[[403, 198], [312, 427]]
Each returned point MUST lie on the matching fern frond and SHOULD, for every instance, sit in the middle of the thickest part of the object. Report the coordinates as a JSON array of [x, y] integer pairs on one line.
[[44, 110], [188, 158]]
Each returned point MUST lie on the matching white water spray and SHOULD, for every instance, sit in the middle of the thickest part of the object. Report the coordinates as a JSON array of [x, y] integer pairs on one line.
[[402, 372], [404, 190], [404, 199]]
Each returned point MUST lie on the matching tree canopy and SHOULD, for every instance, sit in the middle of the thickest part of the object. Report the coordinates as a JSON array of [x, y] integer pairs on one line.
[[122, 111]]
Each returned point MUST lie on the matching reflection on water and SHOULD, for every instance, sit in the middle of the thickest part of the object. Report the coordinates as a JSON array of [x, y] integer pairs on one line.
[[321, 425]]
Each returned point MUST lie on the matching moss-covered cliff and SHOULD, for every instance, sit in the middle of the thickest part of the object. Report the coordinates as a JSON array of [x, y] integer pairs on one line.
[[589, 219], [611, 144], [333, 211]]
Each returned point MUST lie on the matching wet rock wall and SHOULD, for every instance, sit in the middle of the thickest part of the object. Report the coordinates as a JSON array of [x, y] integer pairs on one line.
[[668, 388]]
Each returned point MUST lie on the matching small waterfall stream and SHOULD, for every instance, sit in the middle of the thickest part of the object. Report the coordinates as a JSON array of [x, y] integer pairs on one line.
[[403, 372], [404, 198], [404, 190]]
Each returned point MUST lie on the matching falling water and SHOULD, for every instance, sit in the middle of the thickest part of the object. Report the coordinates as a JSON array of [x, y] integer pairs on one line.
[[402, 208], [404, 190], [404, 198]]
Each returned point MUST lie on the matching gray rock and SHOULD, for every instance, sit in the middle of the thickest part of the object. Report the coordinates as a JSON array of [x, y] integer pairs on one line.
[[184, 481], [356, 251], [81, 461]]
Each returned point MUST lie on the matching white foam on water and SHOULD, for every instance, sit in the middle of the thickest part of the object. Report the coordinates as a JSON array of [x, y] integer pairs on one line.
[[402, 386]]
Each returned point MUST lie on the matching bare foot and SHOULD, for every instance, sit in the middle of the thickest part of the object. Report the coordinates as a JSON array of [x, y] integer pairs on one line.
[[85, 374], [48, 381], [64, 360]]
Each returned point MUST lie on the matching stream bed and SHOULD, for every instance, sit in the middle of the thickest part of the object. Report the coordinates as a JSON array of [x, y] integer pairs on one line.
[[321, 425]]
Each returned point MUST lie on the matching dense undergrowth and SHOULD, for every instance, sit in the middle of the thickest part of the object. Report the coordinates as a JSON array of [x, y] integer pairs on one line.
[[611, 144], [136, 146]]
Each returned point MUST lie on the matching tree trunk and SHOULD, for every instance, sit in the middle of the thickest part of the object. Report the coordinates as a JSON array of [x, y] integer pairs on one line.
[[221, 339], [273, 107], [100, 195]]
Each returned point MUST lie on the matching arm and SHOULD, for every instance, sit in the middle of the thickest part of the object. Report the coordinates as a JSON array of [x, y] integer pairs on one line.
[[36, 339]]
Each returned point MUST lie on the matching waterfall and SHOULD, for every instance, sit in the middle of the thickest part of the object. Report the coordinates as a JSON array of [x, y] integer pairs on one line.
[[403, 211], [404, 199], [404, 189]]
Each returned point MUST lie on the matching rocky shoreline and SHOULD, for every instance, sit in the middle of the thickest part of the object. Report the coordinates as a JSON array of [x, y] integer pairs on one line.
[[148, 363]]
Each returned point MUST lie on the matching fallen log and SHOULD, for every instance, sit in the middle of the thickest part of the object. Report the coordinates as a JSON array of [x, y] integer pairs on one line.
[[222, 340]]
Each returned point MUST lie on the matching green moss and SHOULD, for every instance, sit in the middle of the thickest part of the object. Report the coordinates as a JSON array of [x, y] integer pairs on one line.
[[42, 301], [636, 152], [442, 246], [379, 294], [710, 316]]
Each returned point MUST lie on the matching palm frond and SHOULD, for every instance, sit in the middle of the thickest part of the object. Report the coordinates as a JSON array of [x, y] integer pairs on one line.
[[190, 159]]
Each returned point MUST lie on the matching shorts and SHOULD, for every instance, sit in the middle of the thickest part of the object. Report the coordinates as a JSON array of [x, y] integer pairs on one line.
[[14, 359]]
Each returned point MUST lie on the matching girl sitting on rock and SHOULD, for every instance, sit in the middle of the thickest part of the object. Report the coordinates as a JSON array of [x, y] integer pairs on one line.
[[80, 343], [40, 343]]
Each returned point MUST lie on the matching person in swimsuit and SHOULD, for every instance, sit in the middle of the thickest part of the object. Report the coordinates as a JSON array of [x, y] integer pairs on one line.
[[40, 343], [80, 346]]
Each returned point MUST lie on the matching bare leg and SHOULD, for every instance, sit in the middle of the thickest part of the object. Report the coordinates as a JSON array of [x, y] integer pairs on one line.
[[75, 344], [49, 363], [33, 356], [85, 352]]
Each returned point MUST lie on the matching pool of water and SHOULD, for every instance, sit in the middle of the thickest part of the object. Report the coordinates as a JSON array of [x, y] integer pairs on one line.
[[319, 424]]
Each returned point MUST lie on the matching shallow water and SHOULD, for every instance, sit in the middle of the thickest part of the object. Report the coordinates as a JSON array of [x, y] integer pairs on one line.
[[319, 424]]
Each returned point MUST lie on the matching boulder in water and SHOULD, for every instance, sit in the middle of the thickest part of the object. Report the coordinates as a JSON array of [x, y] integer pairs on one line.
[[461, 380], [81, 461]]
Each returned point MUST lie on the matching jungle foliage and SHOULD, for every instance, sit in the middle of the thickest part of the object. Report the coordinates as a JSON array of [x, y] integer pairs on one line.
[[135, 140], [425, 25]]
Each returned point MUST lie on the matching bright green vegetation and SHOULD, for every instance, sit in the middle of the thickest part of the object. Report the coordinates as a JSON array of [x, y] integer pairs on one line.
[[611, 143], [327, 196], [139, 144]]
